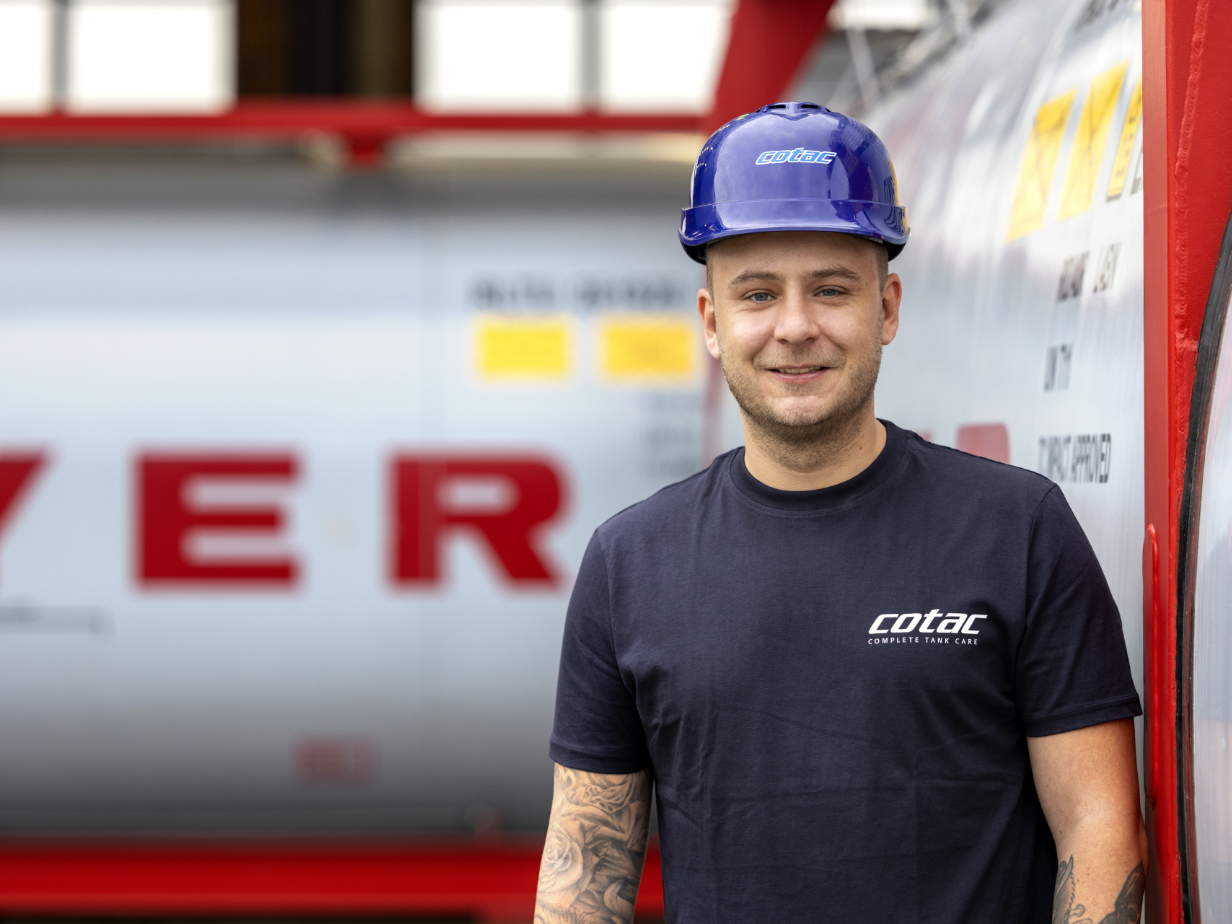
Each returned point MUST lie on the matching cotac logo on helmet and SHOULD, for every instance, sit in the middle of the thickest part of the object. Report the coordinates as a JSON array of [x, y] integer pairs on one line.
[[798, 156]]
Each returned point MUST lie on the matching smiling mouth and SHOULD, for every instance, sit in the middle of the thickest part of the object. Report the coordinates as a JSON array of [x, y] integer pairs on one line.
[[798, 370]]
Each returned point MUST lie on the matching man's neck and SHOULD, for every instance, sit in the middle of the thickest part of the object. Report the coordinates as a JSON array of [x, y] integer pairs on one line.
[[836, 458]]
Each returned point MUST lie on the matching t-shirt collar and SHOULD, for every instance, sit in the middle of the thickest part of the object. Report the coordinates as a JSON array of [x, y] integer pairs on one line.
[[822, 498]]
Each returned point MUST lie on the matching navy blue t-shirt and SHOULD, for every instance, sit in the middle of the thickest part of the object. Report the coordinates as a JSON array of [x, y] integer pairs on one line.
[[834, 688]]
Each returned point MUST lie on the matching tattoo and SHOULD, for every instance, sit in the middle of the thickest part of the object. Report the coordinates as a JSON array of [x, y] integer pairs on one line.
[[1128, 907], [1063, 910], [596, 844], [1126, 910]]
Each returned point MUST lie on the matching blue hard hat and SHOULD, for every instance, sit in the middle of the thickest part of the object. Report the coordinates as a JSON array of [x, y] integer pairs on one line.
[[793, 167]]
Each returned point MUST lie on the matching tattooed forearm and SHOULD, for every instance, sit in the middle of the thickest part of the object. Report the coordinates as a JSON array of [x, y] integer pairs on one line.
[[592, 861], [1126, 910]]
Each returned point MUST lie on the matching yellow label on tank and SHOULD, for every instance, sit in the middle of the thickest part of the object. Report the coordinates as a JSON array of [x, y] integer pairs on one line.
[[1038, 162], [522, 348], [1089, 142], [1125, 147], [632, 349]]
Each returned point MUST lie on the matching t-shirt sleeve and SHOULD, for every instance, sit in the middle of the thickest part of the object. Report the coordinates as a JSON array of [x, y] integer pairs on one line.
[[597, 727], [1073, 669]]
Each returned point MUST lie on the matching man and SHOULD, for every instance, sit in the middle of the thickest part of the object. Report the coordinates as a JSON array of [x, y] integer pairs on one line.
[[870, 679]]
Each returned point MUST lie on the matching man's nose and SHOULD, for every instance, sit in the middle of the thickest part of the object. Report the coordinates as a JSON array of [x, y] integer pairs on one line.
[[797, 321]]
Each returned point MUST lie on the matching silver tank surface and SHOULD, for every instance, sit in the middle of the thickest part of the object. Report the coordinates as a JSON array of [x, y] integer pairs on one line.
[[298, 472], [1021, 337]]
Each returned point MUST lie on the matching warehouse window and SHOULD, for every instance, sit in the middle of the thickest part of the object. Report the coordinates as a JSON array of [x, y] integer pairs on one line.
[[26, 56], [149, 56], [492, 55], [197, 56], [661, 54]]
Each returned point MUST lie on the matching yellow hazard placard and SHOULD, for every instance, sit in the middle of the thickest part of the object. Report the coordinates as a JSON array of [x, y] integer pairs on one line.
[[522, 348], [1090, 139], [1038, 162], [655, 348], [1125, 147]]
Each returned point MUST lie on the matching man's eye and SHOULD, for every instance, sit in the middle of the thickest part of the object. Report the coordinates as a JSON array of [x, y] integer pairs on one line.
[[761, 296], [829, 292]]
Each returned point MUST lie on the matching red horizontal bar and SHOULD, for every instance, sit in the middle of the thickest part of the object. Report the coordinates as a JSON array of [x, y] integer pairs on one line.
[[294, 118], [491, 882]]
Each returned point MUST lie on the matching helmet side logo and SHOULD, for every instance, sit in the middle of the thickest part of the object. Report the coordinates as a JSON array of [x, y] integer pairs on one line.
[[797, 156]]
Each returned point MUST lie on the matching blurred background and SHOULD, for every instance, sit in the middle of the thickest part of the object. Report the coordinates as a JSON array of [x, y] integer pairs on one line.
[[331, 329], [559, 56]]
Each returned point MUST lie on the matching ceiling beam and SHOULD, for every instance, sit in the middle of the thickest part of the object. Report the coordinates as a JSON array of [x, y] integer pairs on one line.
[[365, 128]]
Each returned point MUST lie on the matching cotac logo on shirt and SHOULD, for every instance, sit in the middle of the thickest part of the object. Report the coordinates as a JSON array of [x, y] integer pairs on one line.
[[798, 156], [932, 628]]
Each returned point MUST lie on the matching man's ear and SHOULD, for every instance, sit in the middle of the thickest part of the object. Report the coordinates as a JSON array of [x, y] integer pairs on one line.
[[891, 299], [705, 307]]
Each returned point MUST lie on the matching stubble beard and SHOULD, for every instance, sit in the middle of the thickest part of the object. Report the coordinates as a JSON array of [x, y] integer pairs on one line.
[[806, 442]]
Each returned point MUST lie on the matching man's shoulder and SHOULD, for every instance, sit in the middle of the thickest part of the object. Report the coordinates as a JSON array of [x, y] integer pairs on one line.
[[668, 508], [976, 478]]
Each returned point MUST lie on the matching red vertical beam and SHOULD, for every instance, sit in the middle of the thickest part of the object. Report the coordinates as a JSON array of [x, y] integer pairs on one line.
[[769, 41], [1187, 81]]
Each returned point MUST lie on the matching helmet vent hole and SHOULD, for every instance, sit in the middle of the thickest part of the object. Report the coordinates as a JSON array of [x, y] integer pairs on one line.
[[777, 106]]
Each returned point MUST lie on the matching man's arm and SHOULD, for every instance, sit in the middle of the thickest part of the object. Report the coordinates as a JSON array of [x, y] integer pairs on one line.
[[592, 861], [1087, 782]]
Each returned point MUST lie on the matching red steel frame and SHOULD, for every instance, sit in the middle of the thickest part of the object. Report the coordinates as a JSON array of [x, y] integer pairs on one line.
[[770, 41], [366, 127], [1187, 80], [489, 880], [485, 880]]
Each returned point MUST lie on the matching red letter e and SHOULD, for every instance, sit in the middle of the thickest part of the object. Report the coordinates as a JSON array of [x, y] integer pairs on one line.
[[167, 520]]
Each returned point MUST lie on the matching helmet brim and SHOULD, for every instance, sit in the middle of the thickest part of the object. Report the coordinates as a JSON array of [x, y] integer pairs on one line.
[[705, 224]]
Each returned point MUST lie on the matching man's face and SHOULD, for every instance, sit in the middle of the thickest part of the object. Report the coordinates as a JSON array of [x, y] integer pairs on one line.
[[798, 320]]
